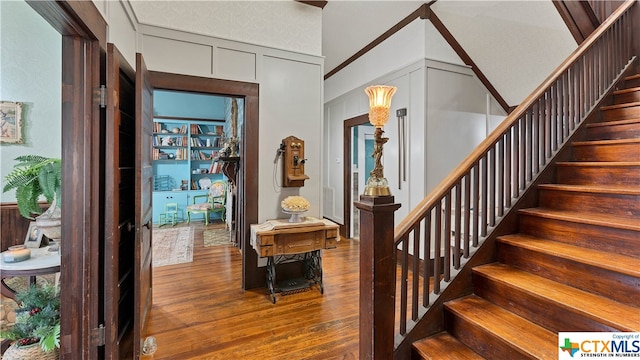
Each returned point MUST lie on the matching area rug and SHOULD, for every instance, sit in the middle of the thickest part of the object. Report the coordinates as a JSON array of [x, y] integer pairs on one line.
[[172, 246], [216, 237]]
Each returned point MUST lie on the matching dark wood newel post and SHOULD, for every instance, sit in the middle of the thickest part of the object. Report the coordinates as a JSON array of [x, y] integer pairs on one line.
[[377, 276]]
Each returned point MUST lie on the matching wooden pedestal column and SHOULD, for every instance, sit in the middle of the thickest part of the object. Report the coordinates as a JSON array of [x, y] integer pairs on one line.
[[377, 276]]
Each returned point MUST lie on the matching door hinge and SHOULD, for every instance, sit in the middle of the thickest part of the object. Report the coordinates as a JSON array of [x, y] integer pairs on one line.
[[98, 336], [103, 96]]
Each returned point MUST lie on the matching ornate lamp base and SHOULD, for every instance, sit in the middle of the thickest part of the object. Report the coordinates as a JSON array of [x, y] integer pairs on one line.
[[377, 191], [377, 187]]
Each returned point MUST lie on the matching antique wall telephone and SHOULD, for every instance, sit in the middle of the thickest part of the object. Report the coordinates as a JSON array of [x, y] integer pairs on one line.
[[293, 160]]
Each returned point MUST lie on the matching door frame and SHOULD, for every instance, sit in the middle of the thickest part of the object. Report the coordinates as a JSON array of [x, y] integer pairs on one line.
[[347, 126], [247, 199], [84, 34]]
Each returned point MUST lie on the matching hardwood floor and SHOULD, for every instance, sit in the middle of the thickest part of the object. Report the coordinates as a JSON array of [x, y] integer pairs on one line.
[[200, 311]]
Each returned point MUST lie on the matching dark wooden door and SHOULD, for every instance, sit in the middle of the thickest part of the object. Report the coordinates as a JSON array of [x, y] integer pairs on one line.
[[120, 184], [143, 211]]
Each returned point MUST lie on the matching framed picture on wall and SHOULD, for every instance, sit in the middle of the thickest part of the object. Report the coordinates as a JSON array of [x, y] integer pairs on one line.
[[11, 122]]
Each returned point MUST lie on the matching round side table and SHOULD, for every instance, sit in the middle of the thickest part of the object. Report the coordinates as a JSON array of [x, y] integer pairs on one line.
[[42, 262]]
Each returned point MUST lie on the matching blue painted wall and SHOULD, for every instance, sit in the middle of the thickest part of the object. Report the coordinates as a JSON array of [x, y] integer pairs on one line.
[[185, 104], [30, 73]]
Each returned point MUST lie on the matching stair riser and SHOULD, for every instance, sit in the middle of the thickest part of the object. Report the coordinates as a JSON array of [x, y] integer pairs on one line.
[[627, 97], [632, 83], [442, 346], [597, 203], [614, 132], [619, 241], [613, 152], [544, 312], [616, 286], [632, 112], [599, 175], [484, 343]]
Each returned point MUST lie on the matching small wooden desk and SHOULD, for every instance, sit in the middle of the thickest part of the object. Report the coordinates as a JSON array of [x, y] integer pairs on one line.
[[280, 241]]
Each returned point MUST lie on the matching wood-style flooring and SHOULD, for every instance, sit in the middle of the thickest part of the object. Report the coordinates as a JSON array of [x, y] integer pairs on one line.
[[200, 311]]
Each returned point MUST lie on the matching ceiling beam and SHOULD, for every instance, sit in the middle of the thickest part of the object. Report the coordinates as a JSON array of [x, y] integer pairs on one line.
[[422, 12], [320, 4]]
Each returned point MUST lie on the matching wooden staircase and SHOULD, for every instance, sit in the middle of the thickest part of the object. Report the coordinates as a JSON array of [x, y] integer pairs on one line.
[[574, 266]]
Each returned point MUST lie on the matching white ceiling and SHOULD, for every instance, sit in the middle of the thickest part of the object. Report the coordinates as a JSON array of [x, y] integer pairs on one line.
[[349, 25]]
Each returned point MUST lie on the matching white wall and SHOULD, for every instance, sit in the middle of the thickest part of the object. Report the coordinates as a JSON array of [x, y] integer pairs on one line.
[[290, 104], [401, 49], [31, 73], [286, 25], [516, 44], [121, 26]]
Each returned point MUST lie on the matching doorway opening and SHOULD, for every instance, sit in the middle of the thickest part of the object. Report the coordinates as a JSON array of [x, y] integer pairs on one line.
[[355, 168], [362, 143], [246, 195]]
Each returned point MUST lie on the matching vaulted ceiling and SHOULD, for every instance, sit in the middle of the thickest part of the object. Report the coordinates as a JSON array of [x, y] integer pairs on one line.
[[348, 26]]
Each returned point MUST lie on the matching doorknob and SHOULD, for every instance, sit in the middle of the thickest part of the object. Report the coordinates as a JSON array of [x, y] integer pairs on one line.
[[130, 226]]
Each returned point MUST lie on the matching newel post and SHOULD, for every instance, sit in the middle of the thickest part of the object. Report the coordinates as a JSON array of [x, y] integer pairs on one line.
[[377, 276]]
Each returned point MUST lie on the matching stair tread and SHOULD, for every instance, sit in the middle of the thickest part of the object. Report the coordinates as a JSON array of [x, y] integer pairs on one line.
[[590, 305], [600, 189], [627, 90], [605, 260], [598, 163], [539, 342], [605, 142], [444, 346], [620, 106], [612, 123], [631, 77], [585, 218]]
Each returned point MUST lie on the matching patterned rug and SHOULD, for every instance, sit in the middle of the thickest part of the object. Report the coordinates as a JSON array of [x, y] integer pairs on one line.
[[215, 237], [172, 246]]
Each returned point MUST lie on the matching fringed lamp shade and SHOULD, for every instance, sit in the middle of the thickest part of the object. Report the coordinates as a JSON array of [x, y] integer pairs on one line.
[[379, 103]]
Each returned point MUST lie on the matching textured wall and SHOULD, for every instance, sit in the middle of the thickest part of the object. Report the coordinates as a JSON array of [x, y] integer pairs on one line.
[[30, 72], [516, 44], [285, 25]]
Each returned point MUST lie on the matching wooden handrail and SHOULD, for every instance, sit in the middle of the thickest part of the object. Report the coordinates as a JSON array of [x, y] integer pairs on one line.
[[450, 181]]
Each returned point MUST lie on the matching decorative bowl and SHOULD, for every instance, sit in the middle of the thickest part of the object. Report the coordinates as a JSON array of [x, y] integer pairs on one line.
[[296, 216]]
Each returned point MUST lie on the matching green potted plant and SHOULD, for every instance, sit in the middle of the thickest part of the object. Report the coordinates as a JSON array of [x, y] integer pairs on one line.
[[37, 327], [31, 177]]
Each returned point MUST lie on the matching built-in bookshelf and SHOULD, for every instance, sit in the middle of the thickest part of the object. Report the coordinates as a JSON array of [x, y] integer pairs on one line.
[[185, 159]]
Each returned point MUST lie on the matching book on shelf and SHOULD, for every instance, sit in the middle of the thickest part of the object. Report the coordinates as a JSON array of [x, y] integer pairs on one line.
[[196, 129], [216, 167], [203, 155], [197, 142]]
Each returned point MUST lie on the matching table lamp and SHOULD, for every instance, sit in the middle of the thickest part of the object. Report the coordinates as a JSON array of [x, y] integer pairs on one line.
[[379, 105]]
